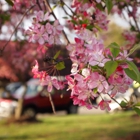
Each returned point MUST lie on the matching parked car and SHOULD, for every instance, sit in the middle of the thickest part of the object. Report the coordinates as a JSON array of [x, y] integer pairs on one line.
[[11, 88], [37, 100]]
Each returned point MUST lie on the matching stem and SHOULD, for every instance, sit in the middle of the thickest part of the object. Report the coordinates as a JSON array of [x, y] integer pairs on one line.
[[114, 100], [133, 19], [52, 104], [51, 11], [67, 6], [38, 4], [1, 50]]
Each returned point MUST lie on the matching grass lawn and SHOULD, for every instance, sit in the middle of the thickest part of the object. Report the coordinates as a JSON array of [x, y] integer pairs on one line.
[[73, 127]]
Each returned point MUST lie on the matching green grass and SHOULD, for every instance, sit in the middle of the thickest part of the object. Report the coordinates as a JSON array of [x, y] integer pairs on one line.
[[73, 127]]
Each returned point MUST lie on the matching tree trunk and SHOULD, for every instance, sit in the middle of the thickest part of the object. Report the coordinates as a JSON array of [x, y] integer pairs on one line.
[[18, 111]]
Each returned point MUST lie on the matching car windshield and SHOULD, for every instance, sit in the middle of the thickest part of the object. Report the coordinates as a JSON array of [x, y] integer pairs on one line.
[[12, 87], [32, 90]]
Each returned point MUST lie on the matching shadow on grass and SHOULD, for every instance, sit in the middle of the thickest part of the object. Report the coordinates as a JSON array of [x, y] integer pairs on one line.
[[14, 137], [21, 137], [23, 119]]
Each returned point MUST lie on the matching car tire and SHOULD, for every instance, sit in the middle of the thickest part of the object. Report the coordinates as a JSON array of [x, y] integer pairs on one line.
[[30, 112], [72, 109]]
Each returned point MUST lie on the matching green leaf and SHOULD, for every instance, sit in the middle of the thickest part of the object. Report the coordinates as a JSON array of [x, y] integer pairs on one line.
[[4, 17], [95, 90], [135, 70], [137, 110], [114, 45], [114, 48], [110, 67], [90, 27], [65, 17], [10, 2], [73, 21], [123, 104], [99, 6], [132, 28], [57, 54], [95, 67], [109, 5], [109, 56], [54, 7], [136, 47], [115, 52], [131, 74], [138, 36], [60, 65]]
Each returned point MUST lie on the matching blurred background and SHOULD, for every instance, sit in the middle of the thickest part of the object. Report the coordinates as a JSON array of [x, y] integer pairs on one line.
[[26, 111]]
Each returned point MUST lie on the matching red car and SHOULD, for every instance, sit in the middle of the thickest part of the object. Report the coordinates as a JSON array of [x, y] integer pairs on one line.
[[37, 100]]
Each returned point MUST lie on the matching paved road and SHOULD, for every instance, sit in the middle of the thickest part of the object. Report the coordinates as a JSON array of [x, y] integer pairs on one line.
[[83, 110]]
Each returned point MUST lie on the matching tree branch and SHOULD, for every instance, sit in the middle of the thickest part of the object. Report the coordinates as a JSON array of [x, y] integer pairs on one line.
[[1, 50], [51, 101], [51, 11]]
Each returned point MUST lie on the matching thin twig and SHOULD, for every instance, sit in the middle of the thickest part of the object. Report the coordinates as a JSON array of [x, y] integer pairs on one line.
[[114, 100], [133, 19], [38, 4], [67, 6], [51, 11], [1, 50], [52, 104]]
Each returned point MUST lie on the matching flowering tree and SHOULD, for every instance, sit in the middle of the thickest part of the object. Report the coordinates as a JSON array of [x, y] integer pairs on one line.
[[95, 68]]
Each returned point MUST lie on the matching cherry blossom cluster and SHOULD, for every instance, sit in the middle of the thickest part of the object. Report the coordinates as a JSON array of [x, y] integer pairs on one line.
[[43, 30], [18, 4], [96, 69], [131, 38], [89, 78], [47, 80], [92, 19]]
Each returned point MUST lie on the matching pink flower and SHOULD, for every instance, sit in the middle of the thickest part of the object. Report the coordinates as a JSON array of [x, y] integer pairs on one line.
[[85, 72], [71, 82], [57, 28], [97, 59], [40, 35], [35, 68], [50, 82], [117, 77], [98, 81], [40, 16], [74, 69], [38, 74], [104, 105], [98, 1], [49, 28]]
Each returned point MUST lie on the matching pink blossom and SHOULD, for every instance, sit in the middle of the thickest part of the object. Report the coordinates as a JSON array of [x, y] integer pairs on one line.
[[57, 28], [85, 72], [98, 81], [97, 59], [40, 35], [130, 37], [98, 1], [49, 28], [104, 105], [74, 69], [40, 16], [50, 82], [70, 81], [101, 19], [38, 74], [18, 4]]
